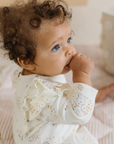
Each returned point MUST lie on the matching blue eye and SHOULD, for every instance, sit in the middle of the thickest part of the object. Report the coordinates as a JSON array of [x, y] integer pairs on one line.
[[56, 48], [69, 40]]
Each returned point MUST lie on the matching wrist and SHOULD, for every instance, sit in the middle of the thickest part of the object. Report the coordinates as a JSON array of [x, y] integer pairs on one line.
[[82, 77]]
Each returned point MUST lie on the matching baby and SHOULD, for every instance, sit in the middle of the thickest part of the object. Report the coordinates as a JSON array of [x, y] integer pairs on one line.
[[37, 36]]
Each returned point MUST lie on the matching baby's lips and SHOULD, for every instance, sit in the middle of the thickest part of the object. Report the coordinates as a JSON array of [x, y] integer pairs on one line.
[[68, 66]]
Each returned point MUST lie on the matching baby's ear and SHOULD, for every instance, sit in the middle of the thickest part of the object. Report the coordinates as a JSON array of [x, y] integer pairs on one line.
[[26, 64]]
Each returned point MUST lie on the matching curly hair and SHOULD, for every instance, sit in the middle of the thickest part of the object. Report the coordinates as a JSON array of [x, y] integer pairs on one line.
[[18, 22]]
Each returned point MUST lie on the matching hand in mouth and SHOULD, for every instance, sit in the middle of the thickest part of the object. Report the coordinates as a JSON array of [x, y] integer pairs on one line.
[[68, 65]]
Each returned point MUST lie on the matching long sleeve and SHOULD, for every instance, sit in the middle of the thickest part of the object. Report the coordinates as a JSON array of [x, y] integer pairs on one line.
[[56, 103], [79, 107], [73, 109]]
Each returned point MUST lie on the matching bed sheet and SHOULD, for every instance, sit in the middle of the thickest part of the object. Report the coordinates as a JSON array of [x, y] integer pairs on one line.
[[101, 124], [0, 140]]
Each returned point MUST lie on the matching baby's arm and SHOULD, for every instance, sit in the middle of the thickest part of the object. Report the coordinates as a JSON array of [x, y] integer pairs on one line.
[[83, 99], [81, 66]]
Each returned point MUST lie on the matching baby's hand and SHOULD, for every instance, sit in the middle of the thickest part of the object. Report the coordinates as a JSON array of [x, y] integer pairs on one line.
[[81, 63], [81, 67]]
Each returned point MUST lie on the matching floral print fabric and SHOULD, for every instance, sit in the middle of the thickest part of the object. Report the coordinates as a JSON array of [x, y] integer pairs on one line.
[[50, 112]]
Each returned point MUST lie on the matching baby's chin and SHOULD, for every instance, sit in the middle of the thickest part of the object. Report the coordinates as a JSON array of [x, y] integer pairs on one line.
[[66, 70]]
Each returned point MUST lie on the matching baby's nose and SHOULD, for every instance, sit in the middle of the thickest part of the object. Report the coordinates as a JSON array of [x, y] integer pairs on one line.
[[68, 53]]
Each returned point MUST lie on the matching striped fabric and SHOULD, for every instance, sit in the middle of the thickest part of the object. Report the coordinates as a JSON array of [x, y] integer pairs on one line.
[[101, 124], [6, 103]]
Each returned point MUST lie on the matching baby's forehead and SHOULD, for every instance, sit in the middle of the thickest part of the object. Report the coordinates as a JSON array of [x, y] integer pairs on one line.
[[47, 24]]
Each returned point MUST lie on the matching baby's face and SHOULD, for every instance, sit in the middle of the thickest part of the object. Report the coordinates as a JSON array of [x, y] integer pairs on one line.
[[54, 50]]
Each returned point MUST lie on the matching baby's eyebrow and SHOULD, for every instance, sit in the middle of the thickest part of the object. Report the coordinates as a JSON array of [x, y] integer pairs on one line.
[[56, 40], [59, 39]]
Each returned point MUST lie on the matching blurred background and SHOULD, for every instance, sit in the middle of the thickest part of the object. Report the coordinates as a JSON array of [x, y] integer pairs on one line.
[[86, 21]]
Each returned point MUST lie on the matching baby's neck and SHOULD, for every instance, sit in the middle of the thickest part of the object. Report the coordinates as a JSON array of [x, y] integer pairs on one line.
[[26, 72]]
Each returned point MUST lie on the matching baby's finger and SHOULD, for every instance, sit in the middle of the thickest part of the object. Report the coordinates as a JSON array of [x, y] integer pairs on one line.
[[89, 59], [92, 63], [78, 54], [83, 56]]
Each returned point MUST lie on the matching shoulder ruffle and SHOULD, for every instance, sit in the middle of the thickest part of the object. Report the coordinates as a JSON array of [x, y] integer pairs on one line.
[[16, 76], [37, 95]]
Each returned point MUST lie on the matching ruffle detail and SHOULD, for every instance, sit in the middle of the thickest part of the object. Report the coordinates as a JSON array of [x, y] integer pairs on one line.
[[38, 95], [16, 76]]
